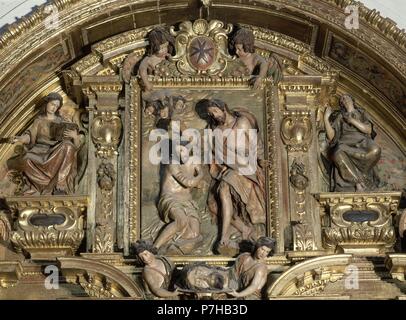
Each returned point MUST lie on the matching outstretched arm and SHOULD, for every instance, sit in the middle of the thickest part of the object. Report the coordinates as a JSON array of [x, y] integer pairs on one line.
[[129, 64], [157, 290], [24, 139], [143, 70], [257, 283], [263, 70], [363, 127]]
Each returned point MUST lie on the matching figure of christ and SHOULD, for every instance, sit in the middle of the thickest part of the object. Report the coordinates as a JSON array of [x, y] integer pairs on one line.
[[176, 205], [237, 197]]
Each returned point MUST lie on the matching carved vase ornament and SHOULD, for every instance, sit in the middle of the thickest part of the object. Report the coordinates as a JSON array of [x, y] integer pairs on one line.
[[296, 130], [106, 132]]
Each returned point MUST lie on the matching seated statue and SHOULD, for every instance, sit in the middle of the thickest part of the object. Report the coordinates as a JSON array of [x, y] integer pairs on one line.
[[352, 149], [157, 270], [245, 279], [49, 162]]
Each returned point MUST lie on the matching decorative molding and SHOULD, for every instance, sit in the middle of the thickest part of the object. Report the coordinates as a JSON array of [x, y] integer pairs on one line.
[[99, 279], [106, 179], [278, 39], [206, 40], [299, 182], [271, 97], [10, 273], [358, 222], [48, 226], [396, 264], [303, 237], [309, 278], [134, 166], [372, 17]]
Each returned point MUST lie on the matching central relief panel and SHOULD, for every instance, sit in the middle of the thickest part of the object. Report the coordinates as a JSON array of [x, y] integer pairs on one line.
[[198, 156]]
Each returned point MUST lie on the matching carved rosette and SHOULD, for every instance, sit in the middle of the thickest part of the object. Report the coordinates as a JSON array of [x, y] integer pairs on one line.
[[48, 227], [106, 132], [201, 47], [359, 222], [296, 130]]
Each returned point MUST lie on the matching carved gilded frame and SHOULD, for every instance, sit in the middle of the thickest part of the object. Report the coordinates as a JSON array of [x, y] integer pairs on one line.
[[133, 144]]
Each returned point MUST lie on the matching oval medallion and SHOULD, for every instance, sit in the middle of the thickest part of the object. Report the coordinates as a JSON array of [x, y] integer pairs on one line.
[[202, 52]]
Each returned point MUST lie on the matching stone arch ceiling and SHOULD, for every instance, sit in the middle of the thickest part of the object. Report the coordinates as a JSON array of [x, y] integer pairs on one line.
[[379, 46]]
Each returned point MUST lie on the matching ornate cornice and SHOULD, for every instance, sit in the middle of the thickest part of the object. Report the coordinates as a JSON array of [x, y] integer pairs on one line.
[[371, 16], [12, 32]]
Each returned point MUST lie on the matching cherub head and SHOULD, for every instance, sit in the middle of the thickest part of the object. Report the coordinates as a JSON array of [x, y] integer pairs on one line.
[[161, 42], [178, 102], [243, 42]]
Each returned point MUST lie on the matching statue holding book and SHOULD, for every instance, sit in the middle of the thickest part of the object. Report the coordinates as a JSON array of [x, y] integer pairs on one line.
[[49, 159]]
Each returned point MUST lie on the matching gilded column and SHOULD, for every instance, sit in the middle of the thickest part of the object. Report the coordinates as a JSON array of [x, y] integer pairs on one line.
[[105, 135]]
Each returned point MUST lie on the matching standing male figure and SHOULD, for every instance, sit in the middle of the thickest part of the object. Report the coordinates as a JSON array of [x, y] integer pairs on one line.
[[238, 193]]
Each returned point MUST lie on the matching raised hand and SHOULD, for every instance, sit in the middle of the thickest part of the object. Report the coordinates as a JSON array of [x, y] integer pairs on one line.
[[327, 113], [257, 83]]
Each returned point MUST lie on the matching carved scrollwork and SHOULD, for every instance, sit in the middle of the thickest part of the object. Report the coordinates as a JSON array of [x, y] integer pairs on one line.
[[11, 273], [95, 286], [310, 277], [104, 231], [296, 130], [5, 227], [300, 182], [98, 279], [303, 237], [201, 47], [363, 222], [396, 264], [48, 227], [314, 282]]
